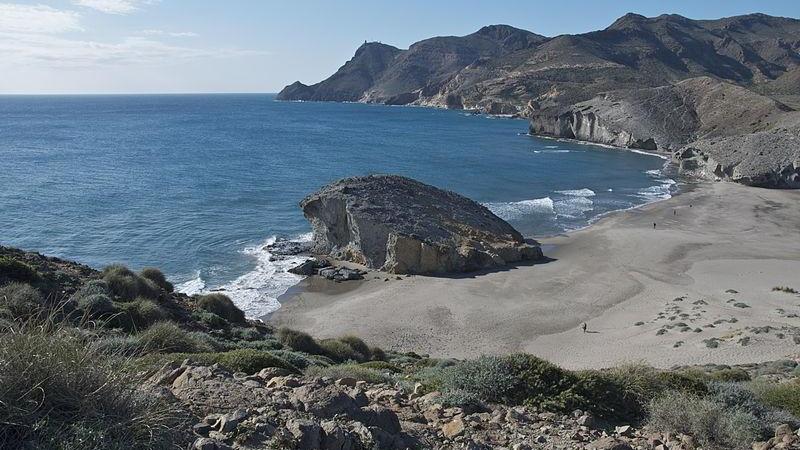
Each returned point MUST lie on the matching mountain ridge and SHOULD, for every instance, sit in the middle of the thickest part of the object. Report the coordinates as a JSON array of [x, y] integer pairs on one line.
[[500, 69]]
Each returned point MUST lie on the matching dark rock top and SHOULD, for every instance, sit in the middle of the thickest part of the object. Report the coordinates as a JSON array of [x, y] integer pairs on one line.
[[400, 225]]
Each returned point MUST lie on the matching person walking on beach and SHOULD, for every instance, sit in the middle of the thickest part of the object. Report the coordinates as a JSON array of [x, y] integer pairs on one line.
[[583, 326], [654, 225]]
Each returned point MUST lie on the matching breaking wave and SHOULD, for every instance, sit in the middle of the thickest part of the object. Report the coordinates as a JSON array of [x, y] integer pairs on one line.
[[515, 210], [256, 292]]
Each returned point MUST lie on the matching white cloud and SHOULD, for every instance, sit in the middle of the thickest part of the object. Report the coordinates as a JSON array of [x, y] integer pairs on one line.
[[43, 50], [152, 32], [114, 6], [31, 37], [18, 18]]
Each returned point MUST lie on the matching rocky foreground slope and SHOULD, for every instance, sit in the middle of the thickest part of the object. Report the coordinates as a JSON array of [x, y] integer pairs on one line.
[[624, 72], [116, 360], [400, 225]]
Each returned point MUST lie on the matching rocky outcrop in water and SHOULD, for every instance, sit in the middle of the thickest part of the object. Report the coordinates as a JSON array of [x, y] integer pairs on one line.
[[400, 225]]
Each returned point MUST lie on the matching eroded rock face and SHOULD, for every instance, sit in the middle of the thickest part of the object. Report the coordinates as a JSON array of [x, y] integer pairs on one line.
[[400, 225], [713, 129]]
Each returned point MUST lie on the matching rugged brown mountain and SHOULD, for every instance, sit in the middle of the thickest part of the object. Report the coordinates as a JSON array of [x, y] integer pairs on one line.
[[659, 83], [503, 65]]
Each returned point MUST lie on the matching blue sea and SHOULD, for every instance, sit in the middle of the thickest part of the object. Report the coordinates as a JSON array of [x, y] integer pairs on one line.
[[198, 185]]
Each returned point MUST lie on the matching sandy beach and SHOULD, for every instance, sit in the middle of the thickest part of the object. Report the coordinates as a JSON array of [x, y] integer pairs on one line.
[[696, 289]]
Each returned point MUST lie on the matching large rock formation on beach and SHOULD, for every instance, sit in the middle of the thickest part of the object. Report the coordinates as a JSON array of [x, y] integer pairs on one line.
[[400, 225], [641, 82]]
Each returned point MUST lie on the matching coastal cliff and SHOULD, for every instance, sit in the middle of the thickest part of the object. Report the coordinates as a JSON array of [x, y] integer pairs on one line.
[[712, 128], [400, 225], [658, 83]]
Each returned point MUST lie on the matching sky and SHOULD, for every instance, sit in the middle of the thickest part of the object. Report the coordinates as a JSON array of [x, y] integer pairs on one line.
[[199, 46]]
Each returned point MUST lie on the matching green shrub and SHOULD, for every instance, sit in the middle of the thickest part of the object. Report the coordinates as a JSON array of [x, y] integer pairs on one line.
[[358, 346], [512, 379], [738, 395], [210, 320], [140, 314], [301, 360], [222, 306], [58, 393], [97, 306], [711, 424], [118, 345], [382, 366], [263, 344], [20, 300], [377, 354], [643, 383], [779, 395], [297, 340], [245, 334], [242, 360], [167, 337], [339, 351], [355, 371], [461, 399], [157, 277], [14, 270], [126, 285], [730, 374]]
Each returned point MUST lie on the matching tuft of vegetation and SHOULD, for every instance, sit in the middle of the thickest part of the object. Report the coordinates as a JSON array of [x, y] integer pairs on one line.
[[711, 423], [355, 371], [358, 346], [242, 360], [299, 341], [140, 314], [377, 354], [167, 337], [730, 375], [157, 277], [785, 289], [742, 396], [222, 306], [779, 395], [513, 379], [124, 284], [14, 270], [20, 301], [382, 366], [211, 320], [59, 393], [340, 351]]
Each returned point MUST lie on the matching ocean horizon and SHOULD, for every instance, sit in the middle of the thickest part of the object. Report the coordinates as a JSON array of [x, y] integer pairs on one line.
[[201, 184]]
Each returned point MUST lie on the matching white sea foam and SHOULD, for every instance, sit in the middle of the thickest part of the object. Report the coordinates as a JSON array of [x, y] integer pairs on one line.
[[515, 210], [573, 206], [552, 151], [194, 285], [661, 191], [583, 192], [256, 292]]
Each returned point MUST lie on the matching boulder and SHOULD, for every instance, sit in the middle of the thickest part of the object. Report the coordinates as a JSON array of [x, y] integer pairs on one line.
[[400, 225], [307, 433], [453, 429]]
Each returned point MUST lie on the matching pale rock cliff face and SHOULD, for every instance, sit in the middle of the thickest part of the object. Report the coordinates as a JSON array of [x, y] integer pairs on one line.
[[400, 225], [714, 130]]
